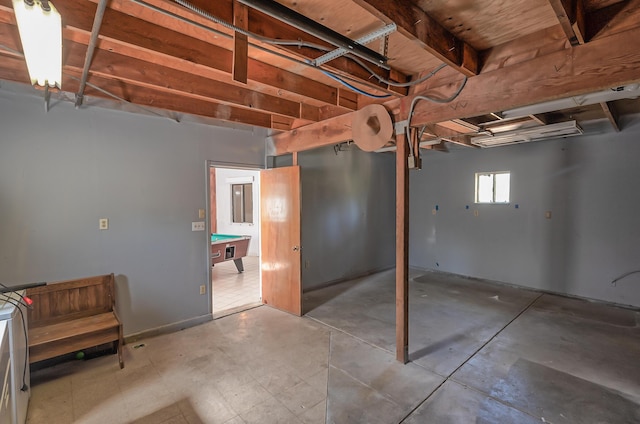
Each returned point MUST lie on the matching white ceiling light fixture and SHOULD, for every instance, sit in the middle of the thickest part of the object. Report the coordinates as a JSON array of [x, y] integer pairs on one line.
[[40, 27], [629, 91], [544, 132]]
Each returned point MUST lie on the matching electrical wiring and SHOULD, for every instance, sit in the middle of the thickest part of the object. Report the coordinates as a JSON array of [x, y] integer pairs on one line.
[[394, 83], [295, 43], [356, 89], [435, 99], [613, 283], [26, 302]]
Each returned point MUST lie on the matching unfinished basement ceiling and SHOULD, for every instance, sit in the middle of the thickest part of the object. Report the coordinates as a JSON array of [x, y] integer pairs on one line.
[[158, 54]]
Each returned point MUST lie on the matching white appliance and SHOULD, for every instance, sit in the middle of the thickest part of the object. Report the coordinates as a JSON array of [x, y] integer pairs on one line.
[[6, 407], [14, 315]]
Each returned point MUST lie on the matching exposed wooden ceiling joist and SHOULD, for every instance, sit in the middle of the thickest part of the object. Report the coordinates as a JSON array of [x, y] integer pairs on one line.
[[591, 67], [266, 26], [597, 65], [571, 15], [141, 73], [417, 25], [449, 135], [138, 39], [611, 114], [167, 51]]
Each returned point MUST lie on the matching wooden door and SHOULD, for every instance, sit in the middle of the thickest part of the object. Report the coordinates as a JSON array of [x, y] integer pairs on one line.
[[280, 238]]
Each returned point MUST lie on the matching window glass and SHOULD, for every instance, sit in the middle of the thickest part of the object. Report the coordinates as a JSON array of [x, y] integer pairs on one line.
[[493, 187], [242, 203]]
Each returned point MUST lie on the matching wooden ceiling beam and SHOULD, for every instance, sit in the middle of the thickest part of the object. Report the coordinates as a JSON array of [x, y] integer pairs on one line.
[[240, 43], [449, 135], [582, 20], [138, 38], [571, 15], [14, 69], [611, 18], [164, 100], [595, 66], [415, 24], [331, 131], [123, 68], [611, 114], [266, 26]]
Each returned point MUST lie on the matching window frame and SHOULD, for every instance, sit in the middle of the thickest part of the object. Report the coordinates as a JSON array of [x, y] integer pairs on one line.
[[493, 187], [245, 197]]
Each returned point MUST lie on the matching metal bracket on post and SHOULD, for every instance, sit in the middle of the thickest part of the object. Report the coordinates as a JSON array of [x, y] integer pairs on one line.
[[401, 126], [413, 160], [47, 96]]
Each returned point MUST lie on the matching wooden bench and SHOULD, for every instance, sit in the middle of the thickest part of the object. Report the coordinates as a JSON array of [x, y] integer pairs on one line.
[[69, 316]]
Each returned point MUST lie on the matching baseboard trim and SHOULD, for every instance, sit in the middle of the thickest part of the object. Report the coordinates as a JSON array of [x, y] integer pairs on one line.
[[535, 289], [166, 329]]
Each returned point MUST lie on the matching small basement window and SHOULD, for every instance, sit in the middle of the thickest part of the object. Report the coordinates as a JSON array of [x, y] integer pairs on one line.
[[493, 187]]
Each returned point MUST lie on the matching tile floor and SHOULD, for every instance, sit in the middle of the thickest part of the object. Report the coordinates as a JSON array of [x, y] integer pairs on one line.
[[481, 353], [233, 289]]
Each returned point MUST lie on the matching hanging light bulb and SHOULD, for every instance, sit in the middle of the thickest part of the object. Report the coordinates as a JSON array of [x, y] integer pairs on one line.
[[40, 27]]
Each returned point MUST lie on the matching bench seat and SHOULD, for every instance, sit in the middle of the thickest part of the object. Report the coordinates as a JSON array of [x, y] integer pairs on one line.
[[82, 333], [70, 316]]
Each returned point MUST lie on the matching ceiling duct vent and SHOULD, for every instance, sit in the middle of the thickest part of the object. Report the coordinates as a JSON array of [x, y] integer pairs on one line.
[[562, 129]]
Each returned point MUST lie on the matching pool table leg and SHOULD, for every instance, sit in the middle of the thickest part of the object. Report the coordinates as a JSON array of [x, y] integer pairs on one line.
[[239, 264]]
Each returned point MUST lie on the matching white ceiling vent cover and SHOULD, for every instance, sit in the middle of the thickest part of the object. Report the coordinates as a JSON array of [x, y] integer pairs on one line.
[[561, 129]]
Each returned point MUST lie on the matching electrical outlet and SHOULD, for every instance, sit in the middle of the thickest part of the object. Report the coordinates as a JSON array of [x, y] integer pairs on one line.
[[103, 224], [307, 264], [197, 226], [203, 289], [476, 213]]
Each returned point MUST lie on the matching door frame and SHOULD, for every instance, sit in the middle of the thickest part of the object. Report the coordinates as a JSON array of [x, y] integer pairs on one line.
[[208, 165]]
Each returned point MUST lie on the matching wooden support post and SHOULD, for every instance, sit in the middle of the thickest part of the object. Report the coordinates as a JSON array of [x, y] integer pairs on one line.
[[241, 43], [402, 248]]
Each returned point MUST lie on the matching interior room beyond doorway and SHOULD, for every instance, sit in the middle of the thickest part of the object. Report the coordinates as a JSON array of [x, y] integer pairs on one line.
[[235, 238]]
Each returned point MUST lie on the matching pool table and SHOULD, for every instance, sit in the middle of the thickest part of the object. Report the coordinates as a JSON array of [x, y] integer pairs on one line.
[[226, 247]]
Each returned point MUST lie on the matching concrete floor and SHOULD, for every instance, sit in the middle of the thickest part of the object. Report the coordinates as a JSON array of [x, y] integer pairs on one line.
[[481, 353]]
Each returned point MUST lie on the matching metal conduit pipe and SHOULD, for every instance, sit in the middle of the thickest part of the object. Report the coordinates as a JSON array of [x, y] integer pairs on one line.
[[297, 20], [97, 22]]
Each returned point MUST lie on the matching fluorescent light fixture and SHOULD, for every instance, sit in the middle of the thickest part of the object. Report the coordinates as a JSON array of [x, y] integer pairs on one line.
[[617, 93], [561, 129], [40, 27]]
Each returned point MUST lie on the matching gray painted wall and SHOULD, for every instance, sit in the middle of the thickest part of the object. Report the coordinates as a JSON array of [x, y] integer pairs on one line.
[[348, 214], [590, 183], [63, 170]]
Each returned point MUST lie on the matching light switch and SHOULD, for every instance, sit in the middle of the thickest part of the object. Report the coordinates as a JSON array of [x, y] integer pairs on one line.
[[547, 214], [103, 224], [200, 213]]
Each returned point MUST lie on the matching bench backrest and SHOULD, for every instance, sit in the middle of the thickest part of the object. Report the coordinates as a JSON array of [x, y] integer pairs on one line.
[[67, 300]]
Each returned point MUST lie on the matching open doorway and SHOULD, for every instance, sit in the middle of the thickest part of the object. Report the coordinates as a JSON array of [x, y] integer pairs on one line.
[[234, 221]]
